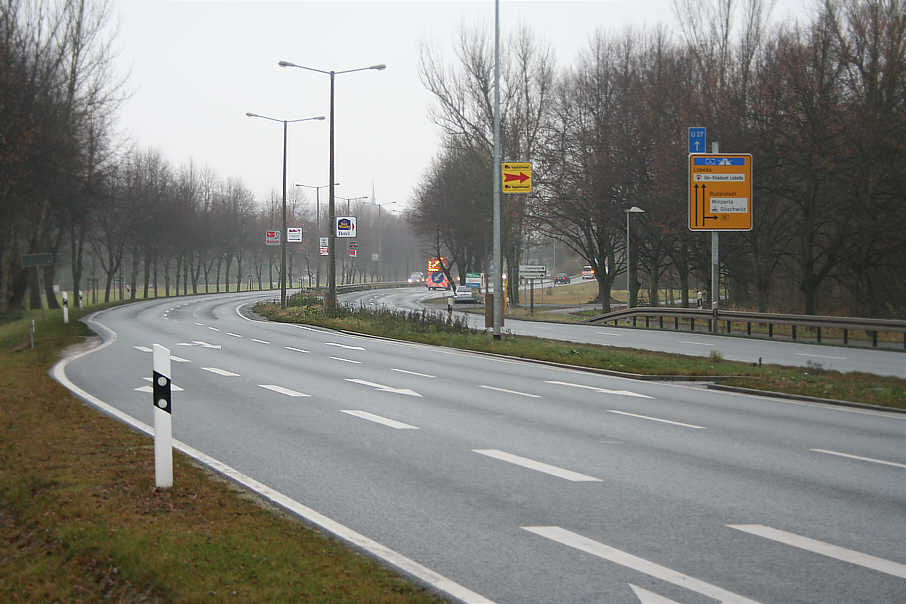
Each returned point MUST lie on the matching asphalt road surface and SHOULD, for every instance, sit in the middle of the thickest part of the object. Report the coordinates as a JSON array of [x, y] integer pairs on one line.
[[795, 354], [521, 483]]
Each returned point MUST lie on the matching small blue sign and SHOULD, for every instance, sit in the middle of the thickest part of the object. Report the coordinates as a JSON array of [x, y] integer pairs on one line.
[[718, 161], [698, 140]]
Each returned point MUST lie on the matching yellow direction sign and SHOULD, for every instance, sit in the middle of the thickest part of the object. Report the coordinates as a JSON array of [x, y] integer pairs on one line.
[[516, 177], [720, 191]]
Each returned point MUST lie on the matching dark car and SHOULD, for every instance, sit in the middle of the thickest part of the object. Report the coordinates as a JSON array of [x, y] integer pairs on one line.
[[561, 279]]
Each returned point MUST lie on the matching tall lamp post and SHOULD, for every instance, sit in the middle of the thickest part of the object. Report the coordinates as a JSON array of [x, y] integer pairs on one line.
[[632, 210], [330, 303], [317, 189], [283, 232]]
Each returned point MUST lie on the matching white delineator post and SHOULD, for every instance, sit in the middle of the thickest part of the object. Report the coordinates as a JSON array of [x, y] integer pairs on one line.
[[163, 423], [65, 309]]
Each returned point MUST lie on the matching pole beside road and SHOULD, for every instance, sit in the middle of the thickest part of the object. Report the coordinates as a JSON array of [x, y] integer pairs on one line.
[[163, 422]]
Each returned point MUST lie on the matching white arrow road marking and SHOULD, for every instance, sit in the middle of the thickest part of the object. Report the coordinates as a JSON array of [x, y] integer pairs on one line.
[[223, 372], [378, 419], [589, 546], [142, 348], [383, 388], [343, 346], [295, 349], [647, 597], [596, 389], [235, 335], [510, 391], [282, 390], [206, 345], [657, 419], [346, 360], [825, 549], [412, 372], [871, 459], [538, 466]]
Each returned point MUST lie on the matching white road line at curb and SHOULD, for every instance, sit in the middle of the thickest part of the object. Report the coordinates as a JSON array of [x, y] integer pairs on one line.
[[589, 546], [392, 423], [396, 560], [869, 459], [825, 549], [657, 419], [510, 391], [538, 466]]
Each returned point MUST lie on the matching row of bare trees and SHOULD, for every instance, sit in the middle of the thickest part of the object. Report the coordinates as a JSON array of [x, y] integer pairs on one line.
[[820, 105]]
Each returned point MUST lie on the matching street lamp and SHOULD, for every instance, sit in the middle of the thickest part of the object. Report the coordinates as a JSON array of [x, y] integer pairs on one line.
[[330, 303], [632, 210], [317, 189], [283, 233]]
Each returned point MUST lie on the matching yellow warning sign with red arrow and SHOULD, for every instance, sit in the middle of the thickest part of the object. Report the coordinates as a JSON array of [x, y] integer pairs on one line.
[[516, 177]]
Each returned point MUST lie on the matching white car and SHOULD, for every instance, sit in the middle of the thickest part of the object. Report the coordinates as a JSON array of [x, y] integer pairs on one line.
[[465, 294]]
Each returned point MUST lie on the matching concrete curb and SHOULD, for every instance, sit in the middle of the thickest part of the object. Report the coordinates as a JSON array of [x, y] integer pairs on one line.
[[803, 397]]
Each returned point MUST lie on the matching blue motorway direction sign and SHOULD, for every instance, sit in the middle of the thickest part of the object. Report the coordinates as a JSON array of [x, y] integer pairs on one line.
[[698, 140]]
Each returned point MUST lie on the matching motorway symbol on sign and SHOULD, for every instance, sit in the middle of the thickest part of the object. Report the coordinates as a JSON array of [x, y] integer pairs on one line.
[[698, 140], [516, 177], [272, 237], [720, 192]]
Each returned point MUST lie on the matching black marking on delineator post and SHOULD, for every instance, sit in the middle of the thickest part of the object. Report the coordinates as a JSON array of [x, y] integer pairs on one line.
[[163, 421]]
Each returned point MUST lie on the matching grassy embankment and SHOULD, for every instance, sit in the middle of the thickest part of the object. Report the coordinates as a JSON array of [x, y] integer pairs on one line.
[[434, 328], [81, 520]]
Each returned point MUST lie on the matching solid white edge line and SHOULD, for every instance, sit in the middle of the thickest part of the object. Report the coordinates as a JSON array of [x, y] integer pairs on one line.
[[509, 391], [282, 390], [657, 419], [870, 459], [612, 554], [386, 421], [825, 549], [537, 466], [405, 565]]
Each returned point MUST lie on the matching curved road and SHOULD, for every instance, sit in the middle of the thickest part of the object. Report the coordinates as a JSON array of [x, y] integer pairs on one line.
[[795, 354], [514, 482]]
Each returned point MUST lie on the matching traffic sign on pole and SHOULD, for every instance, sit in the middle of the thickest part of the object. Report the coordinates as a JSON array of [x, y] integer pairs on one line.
[[516, 177], [698, 139], [720, 191]]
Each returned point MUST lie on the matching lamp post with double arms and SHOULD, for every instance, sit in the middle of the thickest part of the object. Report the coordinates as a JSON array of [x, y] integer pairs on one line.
[[283, 232], [330, 303]]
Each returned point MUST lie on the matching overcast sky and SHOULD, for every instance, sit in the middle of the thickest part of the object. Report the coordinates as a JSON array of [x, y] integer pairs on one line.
[[196, 68]]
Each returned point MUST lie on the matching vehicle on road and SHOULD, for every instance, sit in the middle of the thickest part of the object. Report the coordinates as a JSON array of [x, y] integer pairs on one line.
[[465, 295], [561, 279], [588, 272], [416, 278]]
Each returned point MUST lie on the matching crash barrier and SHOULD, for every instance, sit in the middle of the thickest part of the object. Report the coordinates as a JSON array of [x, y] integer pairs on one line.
[[722, 322]]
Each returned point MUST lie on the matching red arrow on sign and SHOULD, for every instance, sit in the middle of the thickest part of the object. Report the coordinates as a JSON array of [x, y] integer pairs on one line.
[[521, 177]]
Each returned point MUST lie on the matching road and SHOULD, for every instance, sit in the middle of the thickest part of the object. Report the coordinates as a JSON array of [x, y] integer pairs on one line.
[[794, 354], [516, 482]]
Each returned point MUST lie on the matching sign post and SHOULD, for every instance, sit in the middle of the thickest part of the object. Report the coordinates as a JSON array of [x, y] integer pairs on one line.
[[163, 422]]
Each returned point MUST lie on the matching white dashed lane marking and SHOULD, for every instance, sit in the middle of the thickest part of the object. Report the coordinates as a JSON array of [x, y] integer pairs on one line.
[[859, 458], [295, 349], [596, 389], [222, 372], [392, 423], [282, 390], [510, 391], [346, 360], [412, 372], [346, 346], [656, 419], [538, 466]]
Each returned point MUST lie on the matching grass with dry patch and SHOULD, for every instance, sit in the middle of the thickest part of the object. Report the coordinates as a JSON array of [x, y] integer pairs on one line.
[[81, 520]]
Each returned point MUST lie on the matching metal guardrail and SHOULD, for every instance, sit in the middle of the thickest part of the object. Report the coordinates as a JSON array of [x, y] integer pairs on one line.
[[717, 318]]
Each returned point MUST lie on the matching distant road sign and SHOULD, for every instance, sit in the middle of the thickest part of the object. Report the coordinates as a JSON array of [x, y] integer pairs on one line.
[[720, 192], [323, 246], [532, 271], [294, 234], [516, 177], [39, 259], [345, 226], [272, 237], [698, 139]]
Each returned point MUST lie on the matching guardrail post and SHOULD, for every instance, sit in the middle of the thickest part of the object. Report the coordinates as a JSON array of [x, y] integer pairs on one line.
[[874, 338], [661, 321], [770, 330], [818, 334], [748, 328], [692, 324], [647, 324], [845, 336], [728, 327], [676, 323], [633, 321], [794, 331]]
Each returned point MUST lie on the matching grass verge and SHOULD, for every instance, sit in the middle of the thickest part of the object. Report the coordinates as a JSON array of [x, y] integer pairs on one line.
[[81, 520], [434, 328]]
